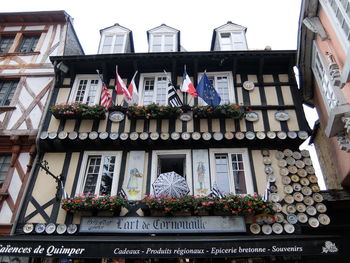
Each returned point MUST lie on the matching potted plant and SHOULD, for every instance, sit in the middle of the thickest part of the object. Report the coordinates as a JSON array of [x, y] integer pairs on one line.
[[153, 111], [78, 110], [222, 111]]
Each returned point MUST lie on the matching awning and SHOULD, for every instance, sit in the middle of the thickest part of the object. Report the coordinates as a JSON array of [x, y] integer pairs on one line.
[[168, 246]]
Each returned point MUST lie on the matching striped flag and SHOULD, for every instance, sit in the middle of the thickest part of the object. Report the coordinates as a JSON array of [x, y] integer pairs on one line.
[[106, 98], [133, 92], [120, 86], [172, 97]]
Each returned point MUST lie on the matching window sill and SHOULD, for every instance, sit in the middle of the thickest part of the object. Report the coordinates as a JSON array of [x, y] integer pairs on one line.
[[20, 54], [7, 108]]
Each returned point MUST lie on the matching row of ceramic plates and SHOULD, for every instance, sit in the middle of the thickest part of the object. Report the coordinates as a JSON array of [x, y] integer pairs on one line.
[[50, 228], [276, 228]]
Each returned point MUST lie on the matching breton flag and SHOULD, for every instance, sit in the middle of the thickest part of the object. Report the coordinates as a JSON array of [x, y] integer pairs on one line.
[[106, 98], [172, 98], [133, 92], [120, 86], [187, 85]]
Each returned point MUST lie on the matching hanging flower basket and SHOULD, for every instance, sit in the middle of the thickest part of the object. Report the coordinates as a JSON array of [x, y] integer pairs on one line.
[[222, 111], [77, 110], [153, 111], [93, 203]]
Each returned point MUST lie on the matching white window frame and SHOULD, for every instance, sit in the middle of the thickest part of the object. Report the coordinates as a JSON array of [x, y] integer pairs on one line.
[[332, 96], [88, 77], [345, 40], [143, 76], [83, 169], [231, 87], [188, 175], [233, 46], [162, 46], [114, 38], [246, 163]]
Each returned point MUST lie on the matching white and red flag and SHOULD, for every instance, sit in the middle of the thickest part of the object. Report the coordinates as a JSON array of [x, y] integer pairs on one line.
[[120, 86], [106, 98], [133, 91], [187, 85]]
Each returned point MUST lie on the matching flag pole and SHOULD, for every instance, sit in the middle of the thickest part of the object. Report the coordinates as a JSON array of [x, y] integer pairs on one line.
[[185, 93]]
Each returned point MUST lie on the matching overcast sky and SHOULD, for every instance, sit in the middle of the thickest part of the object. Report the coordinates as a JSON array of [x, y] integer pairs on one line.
[[269, 22]]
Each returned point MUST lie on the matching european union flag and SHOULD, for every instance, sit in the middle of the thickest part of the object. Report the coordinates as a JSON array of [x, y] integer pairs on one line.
[[207, 92]]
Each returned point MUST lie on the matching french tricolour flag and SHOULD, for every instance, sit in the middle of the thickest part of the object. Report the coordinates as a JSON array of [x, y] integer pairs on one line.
[[187, 86]]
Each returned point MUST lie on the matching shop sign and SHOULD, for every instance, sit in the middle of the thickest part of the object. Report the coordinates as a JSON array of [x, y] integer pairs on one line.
[[155, 225], [175, 248]]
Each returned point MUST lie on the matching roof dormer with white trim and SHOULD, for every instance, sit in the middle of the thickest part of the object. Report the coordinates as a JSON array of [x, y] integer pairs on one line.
[[116, 39], [229, 37], [163, 39]]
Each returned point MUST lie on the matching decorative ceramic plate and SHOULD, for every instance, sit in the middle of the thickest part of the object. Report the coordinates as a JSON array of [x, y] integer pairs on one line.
[[289, 199], [321, 208], [250, 135], [311, 210], [239, 135], [302, 218], [282, 135], [292, 169], [44, 135], [228, 135], [72, 228], [40, 228], [103, 135], [282, 116], [62, 135], [286, 180], [50, 228], [61, 229], [175, 136], [274, 197], [290, 160], [271, 178], [289, 228], [287, 152], [218, 136], [296, 155], [185, 136], [294, 178], [291, 209], [164, 136], [124, 136], [93, 135], [288, 189], [252, 116], [261, 135], [302, 172], [266, 229], [73, 135], [303, 135], [292, 134], [116, 116], [83, 135], [185, 116], [265, 152], [196, 136], [52, 135], [28, 228], [317, 197], [282, 163], [271, 135], [134, 136], [267, 160], [300, 164], [115, 135], [307, 161], [277, 228], [313, 222], [298, 196], [248, 85], [255, 228], [284, 171], [310, 170], [324, 219], [308, 200], [279, 217], [300, 207], [315, 188], [296, 187], [306, 190], [268, 169], [279, 155], [304, 181], [292, 219], [273, 188], [305, 153], [207, 136], [276, 206], [144, 135]]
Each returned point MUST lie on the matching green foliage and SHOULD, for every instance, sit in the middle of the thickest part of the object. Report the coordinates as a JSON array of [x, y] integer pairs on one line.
[[78, 110]]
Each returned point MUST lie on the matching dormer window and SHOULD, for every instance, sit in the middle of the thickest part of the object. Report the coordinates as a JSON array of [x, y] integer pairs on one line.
[[229, 37], [115, 39], [163, 39]]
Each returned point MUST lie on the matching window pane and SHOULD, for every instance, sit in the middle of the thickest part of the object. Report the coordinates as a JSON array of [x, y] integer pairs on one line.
[[169, 43], [93, 169], [222, 88], [81, 90], [4, 167], [107, 175], [119, 43], [92, 92], [7, 89], [5, 44], [222, 172], [28, 43], [238, 174], [162, 88], [107, 44], [148, 91], [157, 43]]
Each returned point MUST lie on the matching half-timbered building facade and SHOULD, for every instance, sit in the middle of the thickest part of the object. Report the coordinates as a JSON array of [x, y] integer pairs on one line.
[[26, 80], [250, 145]]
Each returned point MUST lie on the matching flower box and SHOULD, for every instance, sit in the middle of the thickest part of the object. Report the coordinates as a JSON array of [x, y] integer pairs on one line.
[[153, 111], [78, 111], [222, 111]]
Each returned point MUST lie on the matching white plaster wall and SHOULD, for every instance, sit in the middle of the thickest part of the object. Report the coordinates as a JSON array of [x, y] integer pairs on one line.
[[17, 113], [5, 214], [45, 45], [35, 116], [36, 84], [15, 186], [23, 159], [26, 59]]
